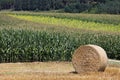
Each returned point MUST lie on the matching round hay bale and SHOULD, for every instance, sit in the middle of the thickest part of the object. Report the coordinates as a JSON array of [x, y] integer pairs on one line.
[[89, 58]]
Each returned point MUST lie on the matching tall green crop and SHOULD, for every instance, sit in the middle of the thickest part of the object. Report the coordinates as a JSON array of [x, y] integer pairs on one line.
[[24, 45]]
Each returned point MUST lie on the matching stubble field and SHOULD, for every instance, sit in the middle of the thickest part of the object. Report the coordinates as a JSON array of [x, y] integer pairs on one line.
[[52, 71]]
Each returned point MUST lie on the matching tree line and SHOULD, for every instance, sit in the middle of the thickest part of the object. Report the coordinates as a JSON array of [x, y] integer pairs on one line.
[[74, 6]]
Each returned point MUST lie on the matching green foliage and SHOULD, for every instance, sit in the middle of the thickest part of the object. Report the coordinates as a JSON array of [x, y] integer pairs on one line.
[[40, 4], [6, 4], [77, 7], [72, 6], [45, 42], [23, 45], [110, 7]]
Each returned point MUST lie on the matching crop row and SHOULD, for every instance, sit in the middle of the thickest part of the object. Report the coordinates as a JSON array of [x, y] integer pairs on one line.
[[99, 18], [25, 45], [70, 23]]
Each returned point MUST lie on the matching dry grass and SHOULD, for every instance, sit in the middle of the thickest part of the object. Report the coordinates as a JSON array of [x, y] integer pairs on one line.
[[52, 71]]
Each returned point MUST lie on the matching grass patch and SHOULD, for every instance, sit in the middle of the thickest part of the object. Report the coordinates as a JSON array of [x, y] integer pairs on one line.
[[70, 22]]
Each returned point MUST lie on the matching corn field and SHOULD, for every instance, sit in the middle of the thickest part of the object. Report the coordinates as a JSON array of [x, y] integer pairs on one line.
[[33, 37], [21, 45]]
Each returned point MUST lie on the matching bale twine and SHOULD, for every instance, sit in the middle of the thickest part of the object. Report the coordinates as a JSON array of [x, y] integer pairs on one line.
[[89, 58]]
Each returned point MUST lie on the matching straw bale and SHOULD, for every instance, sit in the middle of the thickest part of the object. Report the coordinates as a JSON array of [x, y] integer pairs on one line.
[[89, 58]]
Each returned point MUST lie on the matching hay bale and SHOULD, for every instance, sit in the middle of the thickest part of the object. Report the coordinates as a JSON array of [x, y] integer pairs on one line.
[[89, 58]]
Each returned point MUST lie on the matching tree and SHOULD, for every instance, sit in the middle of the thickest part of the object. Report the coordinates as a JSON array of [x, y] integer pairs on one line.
[[6, 4], [18, 5], [111, 7]]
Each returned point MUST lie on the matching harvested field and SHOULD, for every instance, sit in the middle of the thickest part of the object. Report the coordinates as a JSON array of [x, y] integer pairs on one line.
[[52, 71]]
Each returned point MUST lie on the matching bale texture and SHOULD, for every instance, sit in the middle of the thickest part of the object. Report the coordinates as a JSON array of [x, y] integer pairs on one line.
[[89, 58]]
